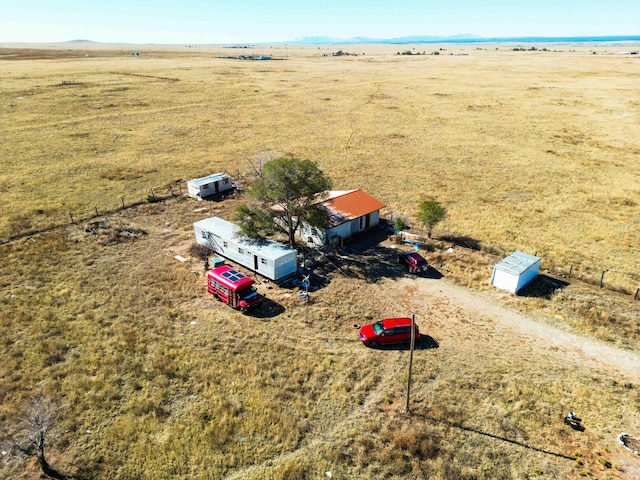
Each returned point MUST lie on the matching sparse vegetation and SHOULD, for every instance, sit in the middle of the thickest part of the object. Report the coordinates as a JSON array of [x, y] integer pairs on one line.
[[161, 382]]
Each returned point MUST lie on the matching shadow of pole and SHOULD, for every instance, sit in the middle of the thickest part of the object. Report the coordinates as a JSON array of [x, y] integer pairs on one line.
[[496, 437], [513, 442]]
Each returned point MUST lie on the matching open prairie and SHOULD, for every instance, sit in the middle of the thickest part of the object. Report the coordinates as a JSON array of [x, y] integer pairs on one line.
[[535, 150]]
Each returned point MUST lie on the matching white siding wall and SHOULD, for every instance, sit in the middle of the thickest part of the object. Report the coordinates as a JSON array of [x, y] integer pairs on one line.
[[504, 280], [344, 230], [511, 281], [528, 275], [249, 255]]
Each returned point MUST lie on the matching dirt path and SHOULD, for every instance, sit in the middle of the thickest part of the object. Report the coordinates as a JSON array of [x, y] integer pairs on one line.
[[571, 346]]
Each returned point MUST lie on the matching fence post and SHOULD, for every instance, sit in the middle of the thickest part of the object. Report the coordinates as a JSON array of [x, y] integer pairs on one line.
[[635, 297], [123, 203], [96, 207], [570, 270], [602, 277], [171, 191], [72, 220]]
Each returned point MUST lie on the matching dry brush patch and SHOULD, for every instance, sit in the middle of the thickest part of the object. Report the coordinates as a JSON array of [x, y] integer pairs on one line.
[[163, 382], [537, 155]]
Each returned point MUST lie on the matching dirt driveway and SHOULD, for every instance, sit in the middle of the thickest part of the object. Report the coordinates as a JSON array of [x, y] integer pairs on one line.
[[570, 346]]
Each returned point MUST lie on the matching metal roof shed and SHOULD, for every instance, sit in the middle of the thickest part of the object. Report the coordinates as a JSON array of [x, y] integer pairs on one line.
[[266, 257], [515, 271]]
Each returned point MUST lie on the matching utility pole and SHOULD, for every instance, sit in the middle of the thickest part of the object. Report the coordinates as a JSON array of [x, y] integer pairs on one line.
[[413, 341]]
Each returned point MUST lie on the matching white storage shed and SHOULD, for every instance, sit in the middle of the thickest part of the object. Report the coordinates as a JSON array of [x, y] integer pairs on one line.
[[515, 271], [270, 259], [209, 185]]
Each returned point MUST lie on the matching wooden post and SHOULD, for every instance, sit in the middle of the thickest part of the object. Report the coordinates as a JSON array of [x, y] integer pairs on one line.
[[96, 210], [72, 220], [413, 340], [570, 270], [123, 203], [171, 191], [635, 297], [602, 277]]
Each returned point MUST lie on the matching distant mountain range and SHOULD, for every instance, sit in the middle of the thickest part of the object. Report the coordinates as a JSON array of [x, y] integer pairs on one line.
[[461, 39]]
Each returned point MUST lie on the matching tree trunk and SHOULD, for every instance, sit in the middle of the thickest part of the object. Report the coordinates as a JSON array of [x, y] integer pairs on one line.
[[292, 232], [47, 469]]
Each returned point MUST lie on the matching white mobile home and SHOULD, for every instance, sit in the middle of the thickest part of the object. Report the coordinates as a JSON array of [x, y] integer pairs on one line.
[[350, 212], [209, 185], [515, 271], [268, 258]]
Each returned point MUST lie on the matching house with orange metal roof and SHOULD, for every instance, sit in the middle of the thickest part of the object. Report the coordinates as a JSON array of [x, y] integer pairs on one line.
[[350, 212]]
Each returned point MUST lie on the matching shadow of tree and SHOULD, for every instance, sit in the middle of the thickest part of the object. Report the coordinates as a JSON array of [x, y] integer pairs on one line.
[[363, 257], [461, 241]]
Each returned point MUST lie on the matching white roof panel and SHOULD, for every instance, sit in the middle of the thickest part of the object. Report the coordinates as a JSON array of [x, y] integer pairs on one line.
[[214, 177], [228, 230], [517, 262]]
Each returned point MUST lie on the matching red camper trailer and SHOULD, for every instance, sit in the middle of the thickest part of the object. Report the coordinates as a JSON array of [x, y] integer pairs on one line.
[[233, 288]]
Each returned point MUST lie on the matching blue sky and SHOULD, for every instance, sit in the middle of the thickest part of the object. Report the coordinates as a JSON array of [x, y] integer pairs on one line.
[[252, 21]]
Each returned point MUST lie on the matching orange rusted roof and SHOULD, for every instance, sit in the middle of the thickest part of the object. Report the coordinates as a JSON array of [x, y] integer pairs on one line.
[[350, 204]]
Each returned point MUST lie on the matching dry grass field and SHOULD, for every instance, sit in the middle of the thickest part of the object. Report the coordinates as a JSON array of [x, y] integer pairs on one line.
[[530, 150]]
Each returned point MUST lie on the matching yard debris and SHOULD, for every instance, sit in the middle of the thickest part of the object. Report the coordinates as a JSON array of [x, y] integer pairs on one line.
[[630, 442], [573, 421], [110, 233]]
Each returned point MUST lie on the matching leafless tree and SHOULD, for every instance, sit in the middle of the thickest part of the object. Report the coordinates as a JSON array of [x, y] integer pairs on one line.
[[36, 428]]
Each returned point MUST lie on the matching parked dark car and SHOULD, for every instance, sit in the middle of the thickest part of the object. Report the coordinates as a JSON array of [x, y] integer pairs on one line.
[[414, 261], [388, 331]]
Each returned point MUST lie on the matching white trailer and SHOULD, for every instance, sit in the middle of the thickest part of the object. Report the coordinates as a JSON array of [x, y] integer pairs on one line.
[[270, 259], [515, 271], [214, 184]]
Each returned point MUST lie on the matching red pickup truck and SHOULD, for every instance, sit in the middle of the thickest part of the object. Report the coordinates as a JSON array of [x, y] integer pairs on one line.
[[414, 261]]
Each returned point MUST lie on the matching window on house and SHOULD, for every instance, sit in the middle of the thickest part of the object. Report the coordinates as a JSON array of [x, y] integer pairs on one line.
[[240, 250], [224, 244], [263, 261]]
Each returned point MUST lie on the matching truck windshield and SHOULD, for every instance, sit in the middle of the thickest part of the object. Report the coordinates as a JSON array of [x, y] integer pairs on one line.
[[378, 328], [247, 293]]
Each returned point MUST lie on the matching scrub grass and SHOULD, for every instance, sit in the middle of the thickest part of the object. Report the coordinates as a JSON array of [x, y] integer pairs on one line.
[[160, 381], [527, 150]]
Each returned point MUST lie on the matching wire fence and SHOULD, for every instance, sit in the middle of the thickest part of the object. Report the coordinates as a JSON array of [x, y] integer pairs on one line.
[[606, 278], [626, 283], [86, 213]]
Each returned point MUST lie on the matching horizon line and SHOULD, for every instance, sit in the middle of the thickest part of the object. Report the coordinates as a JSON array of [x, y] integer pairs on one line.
[[321, 40]]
